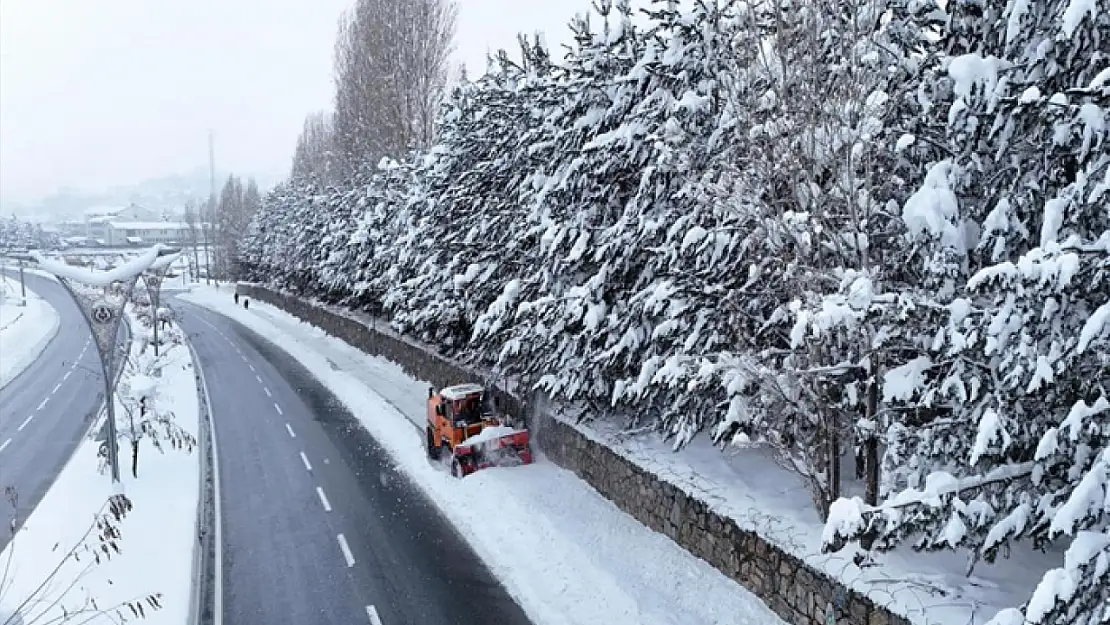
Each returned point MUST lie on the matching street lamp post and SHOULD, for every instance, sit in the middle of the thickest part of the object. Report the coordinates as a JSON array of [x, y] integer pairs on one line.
[[153, 278], [101, 302], [103, 312]]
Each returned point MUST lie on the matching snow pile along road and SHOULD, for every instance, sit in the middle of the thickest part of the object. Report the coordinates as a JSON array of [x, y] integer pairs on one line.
[[157, 535], [24, 330], [565, 553]]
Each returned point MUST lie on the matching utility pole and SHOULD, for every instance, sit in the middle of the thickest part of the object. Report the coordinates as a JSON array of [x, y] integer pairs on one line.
[[22, 285], [153, 278], [211, 200]]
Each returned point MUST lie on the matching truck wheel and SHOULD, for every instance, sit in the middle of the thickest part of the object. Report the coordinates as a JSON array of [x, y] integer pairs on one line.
[[456, 468], [433, 449]]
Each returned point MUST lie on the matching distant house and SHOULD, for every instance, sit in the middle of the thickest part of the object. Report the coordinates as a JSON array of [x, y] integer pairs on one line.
[[74, 228], [126, 233], [132, 212], [98, 218]]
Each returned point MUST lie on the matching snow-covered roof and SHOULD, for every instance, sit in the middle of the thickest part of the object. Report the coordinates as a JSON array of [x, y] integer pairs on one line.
[[104, 211], [134, 239], [149, 225], [459, 391]]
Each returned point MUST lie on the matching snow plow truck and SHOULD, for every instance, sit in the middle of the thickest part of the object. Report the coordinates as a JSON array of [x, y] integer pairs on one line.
[[464, 424]]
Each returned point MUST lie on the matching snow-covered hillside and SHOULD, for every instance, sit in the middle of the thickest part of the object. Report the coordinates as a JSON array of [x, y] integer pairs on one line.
[[889, 239]]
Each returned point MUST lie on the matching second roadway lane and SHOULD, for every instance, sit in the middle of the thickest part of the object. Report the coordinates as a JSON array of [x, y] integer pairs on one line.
[[318, 526]]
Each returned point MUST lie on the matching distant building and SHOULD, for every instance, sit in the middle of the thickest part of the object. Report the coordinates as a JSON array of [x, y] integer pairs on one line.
[[124, 233], [98, 220], [73, 228], [132, 212]]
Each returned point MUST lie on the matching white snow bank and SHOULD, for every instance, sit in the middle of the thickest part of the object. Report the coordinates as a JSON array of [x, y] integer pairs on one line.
[[157, 535], [565, 553], [24, 330]]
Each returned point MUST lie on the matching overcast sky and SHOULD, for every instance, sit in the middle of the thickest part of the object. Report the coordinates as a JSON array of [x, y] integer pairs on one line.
[[97, 93]]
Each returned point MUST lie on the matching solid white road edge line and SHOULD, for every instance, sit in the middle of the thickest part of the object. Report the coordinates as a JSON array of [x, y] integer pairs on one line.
[[307, 464], [5, 444], [346, 551], [372, 613], [324, 500], [289, 428], [24, 424], [218, 550]]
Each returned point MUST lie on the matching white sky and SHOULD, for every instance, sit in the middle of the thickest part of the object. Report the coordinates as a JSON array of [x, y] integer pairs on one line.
[[97, 93]]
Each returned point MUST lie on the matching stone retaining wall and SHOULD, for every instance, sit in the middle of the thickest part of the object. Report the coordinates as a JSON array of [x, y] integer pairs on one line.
[[795, 591]]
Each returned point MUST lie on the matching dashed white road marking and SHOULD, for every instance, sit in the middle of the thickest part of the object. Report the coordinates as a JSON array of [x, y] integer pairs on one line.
[[307, 464], [290, 429], [24, 424], [259, 378], [43, 404], [56, 387], [251, 366], [66, 376], [346, 551], [5, 444], [268, 393], [323, 499], [280, 411], [372, 613]]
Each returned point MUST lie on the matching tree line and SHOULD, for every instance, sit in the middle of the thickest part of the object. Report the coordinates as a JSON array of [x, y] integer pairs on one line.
[[216, 226], [868, 234], [392, 65]]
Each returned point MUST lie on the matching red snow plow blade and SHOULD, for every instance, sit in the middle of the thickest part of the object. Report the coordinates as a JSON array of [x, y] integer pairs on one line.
[[496, 446]]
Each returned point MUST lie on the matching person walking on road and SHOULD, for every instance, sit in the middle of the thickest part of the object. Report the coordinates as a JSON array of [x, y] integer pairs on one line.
[[237, 299], [246, 303]]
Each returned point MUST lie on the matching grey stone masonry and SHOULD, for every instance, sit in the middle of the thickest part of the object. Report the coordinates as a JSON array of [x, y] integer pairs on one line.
[[796, 592]]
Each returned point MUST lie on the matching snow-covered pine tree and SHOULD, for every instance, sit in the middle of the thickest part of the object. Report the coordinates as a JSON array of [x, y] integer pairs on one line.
[[577, 186], [825, 83], [471, 237], [1022, 453]]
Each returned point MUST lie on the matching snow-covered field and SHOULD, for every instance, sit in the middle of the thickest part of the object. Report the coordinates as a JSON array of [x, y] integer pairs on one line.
[[24, 330], [157, 535], [567, 555]]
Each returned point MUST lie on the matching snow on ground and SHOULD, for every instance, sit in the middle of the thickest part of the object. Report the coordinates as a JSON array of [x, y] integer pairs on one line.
[[24, 330], [747, 485], [157, 535], [565, 553]]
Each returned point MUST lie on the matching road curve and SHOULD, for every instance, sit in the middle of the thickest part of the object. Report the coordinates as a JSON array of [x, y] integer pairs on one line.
[[45, 410], [318, 525]]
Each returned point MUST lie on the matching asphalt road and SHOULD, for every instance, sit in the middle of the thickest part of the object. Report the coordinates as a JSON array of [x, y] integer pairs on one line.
[[318, 526], [46, 410]]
